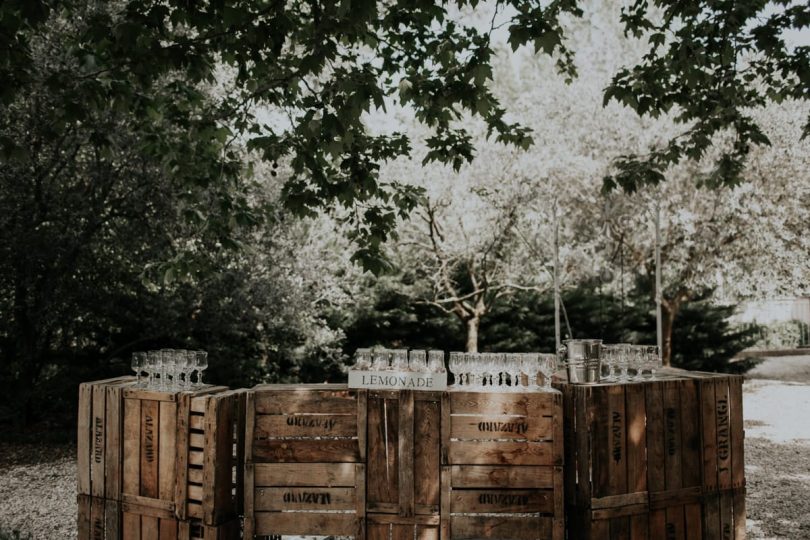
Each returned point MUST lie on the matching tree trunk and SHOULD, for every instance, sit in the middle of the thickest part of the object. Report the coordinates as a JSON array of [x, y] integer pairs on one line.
[[669, 310], [472, 333]]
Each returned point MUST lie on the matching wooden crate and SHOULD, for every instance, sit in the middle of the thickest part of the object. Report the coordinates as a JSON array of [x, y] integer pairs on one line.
[[98, 448], [502, 476], [105, 519], [723, 445], [646, 459], [98, 519], [404, 467], [182, 452], [305, 455]]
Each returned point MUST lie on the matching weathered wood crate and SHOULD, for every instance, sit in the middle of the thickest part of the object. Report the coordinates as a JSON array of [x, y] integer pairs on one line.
[[404, 466], [100, 423], [305, 471], [654, 459], [104, 519], [182, 453], [98, 519], [502, 476]]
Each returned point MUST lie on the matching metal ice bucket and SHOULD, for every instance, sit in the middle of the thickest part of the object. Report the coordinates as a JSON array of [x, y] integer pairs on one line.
[[582, 359]]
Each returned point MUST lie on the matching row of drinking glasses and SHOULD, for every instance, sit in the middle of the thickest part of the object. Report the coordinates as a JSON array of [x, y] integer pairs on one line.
[[623, 362], [417, 361], [501, 371], [169, 369]]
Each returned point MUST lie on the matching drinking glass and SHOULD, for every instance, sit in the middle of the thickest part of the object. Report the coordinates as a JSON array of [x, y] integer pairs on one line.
[[138, 364], [152, 364], [201, 364], [399, 360], [473, 365], [513, 366], [380, 362], [652, 360], [547, 365], [486, 369], [455, 367], [528, 365], [418, 361], [621, 361], [481, 366], [436, 362], [170, 366], [637, 361], [608, 362], [185, 363], [362, 359], [500, 369], [468, 367], [495, 364]]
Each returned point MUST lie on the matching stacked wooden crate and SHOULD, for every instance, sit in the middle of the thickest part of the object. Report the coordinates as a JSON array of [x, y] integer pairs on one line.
[[323, 460], [502, 476], [99, 457], [403, 493], [658, 459], [305, 457], [171, 461]]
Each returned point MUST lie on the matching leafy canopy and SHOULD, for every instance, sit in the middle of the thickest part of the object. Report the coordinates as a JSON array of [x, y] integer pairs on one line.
[[712, 62], [297, 78], [299, 75]]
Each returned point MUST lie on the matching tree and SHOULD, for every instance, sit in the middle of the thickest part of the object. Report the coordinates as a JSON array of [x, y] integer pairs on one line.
[[117, 234], [469, 264], [611, 237], [747, 241], [298, 80], [485, 232], [713, 63]]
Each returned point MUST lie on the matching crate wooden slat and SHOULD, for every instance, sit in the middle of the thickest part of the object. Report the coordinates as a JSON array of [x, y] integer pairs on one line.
[[394, 527], [502, 475], [105, 519], [654, 459], [138, 526], [100, 418], [404, 465], [305, 454], [181, 452], [98, 519]]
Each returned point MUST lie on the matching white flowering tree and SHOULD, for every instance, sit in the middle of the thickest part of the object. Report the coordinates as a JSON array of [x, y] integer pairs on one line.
[[749, 241], [742, 241]]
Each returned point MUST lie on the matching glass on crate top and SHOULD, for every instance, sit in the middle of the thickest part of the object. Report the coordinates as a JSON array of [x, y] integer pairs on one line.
[[592, 362], [419, 369], [169, 370]]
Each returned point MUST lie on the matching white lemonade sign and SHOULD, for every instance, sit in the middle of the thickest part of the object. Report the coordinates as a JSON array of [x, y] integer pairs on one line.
[[397, 380]]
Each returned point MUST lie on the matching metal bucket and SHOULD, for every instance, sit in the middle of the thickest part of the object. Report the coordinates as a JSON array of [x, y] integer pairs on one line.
[[583, 360]]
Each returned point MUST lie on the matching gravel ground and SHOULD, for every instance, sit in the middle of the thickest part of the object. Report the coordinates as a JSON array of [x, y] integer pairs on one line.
[[38, 484], [38, 491]]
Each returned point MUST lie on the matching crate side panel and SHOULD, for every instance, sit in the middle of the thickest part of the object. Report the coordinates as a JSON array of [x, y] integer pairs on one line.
[[132, 447], [426, 463], [305, 524], [636, 415], [150, 444], [383, 455], [500, 528], [497, 476]]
